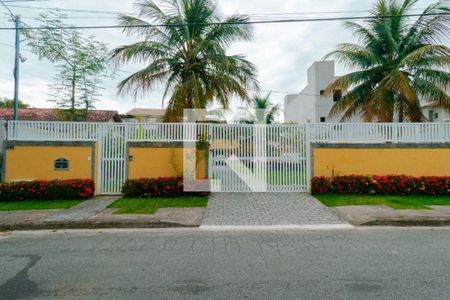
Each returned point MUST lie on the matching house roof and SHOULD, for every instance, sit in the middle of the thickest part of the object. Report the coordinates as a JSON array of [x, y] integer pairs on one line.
[[49, 114], [147, 112]]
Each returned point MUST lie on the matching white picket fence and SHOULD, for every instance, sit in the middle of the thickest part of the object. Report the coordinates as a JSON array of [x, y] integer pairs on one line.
[[318, 133], [276, 154]]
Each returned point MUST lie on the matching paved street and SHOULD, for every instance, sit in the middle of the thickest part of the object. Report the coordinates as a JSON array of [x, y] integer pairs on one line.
[[352, 264], [261, 210]]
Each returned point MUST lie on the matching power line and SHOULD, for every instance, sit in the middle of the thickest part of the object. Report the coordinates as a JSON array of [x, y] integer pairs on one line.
[[253, 16], [232, 23], [72, 10], [16, 1], [9, 10], [129, 13]]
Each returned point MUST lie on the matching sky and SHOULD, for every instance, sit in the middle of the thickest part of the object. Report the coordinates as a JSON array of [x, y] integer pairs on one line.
[[281, 52]]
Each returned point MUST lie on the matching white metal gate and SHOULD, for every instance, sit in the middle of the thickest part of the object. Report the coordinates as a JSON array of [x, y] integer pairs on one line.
[[272, 158], [112, 158]]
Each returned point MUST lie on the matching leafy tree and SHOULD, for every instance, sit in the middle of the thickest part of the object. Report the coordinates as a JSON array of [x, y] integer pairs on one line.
[[264, 112], [82, 62], [398, 61], [187, 55], [9, 103]]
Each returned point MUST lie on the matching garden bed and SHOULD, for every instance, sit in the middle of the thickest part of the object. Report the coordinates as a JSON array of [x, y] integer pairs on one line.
[[382, 185], [53, 190]]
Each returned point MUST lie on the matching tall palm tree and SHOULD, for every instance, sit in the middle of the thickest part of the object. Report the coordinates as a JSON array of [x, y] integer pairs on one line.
[[398, 61], [186, 54], [264, 111]]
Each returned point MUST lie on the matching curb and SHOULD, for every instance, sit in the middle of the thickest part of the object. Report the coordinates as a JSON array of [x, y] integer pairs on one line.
[[409, 222], [90, 225], [274, 227]]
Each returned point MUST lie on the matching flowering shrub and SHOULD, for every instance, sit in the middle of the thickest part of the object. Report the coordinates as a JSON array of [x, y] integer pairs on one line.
[[47, 190], [387, 185], [155, 187], [321, 185]]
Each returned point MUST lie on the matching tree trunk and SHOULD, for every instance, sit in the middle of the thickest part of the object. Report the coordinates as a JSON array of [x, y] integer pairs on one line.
[[87, 111], [401, 111], [72, 98]]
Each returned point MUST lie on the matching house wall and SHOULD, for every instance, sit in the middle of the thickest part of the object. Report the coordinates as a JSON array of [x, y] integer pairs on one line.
[[153, 160], [35, 160], [387, 159], [309, 105], [322, 74], [436, 114]]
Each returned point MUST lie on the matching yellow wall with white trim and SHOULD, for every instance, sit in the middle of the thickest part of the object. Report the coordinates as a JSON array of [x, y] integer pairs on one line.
[[381, 161], [154, 162], [37, 162]]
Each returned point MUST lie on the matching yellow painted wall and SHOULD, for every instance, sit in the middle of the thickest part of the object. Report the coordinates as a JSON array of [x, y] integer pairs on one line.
[[37, 162], [225, 144], [159, 162], [381, 161]]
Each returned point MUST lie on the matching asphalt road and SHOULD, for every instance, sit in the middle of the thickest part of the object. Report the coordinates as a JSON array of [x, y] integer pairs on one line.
[[355, 264]]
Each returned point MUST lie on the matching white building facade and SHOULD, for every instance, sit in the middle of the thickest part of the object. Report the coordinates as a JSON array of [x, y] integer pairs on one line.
[[310, 106], [436, 114]]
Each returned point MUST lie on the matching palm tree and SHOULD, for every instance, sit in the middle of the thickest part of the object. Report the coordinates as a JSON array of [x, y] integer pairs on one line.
[[264, 112], [398, 62], [186, 54]]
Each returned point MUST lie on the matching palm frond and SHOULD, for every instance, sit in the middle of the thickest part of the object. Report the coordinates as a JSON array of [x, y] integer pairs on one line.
[[186, 55]]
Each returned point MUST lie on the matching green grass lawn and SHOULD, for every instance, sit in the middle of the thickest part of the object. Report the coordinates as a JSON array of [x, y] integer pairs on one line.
[[151, 205], [37, 204], [396, 202], [285, 177]]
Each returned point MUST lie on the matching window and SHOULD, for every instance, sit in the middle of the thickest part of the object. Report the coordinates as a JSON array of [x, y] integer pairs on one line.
[[61, 164], [436, 116], [337, 95], [431, 116], [322, 92], [323, 119]]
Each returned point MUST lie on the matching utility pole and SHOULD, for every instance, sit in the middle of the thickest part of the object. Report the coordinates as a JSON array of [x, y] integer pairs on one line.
[[16, 20], [16, 70]]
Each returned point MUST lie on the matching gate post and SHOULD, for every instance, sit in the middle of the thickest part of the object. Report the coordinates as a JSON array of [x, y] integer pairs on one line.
[[307, 141]]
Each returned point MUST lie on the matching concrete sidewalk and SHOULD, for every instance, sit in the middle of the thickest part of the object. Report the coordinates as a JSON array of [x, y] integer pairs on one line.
[[94, 214], [83, 211], [366, 215]]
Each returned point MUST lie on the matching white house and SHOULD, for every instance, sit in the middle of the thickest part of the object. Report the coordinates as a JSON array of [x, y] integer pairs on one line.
[[149, 115], [311, 106], [436, 114]]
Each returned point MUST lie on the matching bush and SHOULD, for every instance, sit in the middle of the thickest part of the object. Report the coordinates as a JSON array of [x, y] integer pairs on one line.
[[321, 185], [156, 187], [385, 185], [47, 190]]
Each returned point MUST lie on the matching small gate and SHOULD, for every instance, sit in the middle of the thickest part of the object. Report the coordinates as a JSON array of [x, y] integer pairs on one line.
[[112, 158]]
